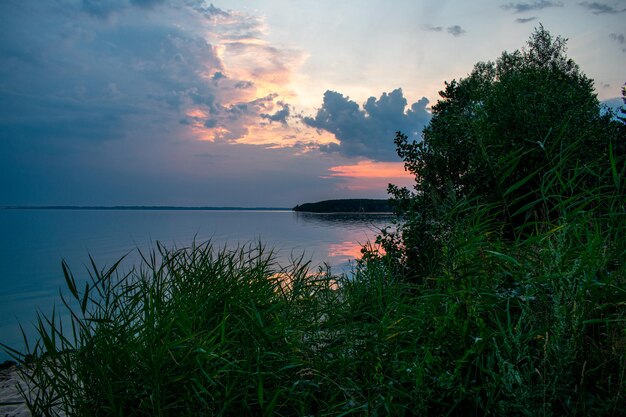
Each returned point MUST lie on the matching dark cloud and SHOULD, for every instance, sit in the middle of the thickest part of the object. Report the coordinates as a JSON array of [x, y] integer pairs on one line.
[[209, 11], [619, 38], [211, 156], [242, 85], [369, 131], [525, 19], [280, 115], [601, 8], [103, 8], [235, 119], [431, 28], [90, 79], [530, 6], [67, 77], [454, 30], [146, 3], [218, 75]]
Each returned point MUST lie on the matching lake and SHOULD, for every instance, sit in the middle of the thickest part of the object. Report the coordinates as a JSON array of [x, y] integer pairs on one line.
[[34, 241]]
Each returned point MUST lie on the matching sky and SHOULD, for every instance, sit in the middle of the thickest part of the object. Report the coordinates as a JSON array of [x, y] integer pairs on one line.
[[249, 103]]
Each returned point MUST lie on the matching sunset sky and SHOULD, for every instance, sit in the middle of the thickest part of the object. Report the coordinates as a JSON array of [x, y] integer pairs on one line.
[[249, 103]]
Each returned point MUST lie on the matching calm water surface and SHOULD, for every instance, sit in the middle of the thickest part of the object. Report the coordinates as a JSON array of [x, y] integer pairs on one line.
[[33, 243]]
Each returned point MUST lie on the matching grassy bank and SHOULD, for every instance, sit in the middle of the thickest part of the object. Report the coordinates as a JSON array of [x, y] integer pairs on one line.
[[528, 327]]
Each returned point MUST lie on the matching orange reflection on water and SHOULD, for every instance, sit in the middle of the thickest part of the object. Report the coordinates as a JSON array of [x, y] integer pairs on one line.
[[352, 250], [286, 281], [345, 249]]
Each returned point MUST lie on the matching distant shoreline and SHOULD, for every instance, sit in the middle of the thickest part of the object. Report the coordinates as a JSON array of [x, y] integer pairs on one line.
[[353, 205], [145, 208]]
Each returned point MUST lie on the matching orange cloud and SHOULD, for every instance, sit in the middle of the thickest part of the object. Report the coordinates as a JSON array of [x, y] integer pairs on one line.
[[371, 169], [254, 81], [371, 175], [197, 113], [278, 135]]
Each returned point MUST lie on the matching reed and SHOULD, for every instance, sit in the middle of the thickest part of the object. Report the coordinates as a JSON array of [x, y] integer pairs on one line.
[[534, 325]]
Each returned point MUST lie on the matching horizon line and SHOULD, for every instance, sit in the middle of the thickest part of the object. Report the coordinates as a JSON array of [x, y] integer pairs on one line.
[[141, 207]]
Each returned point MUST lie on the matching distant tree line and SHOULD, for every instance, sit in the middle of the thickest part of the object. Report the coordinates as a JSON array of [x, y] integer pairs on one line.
[[346, 206]]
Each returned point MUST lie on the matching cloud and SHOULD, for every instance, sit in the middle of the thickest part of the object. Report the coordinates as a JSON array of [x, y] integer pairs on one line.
[[146, 3], [601, 8], [369, 132], [454, 30], [89, 79], [233, 25], [103, 8], [525, 19], [619, 38], [431, 28], [369, 174], [280, 115], [530, 6], [69, 76], [209, 11]]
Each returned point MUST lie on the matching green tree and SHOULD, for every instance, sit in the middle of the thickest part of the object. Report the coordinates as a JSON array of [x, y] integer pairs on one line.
[[493, 138], [622, 111]]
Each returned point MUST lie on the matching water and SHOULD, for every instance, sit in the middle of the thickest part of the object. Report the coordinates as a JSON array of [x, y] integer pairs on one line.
[[33, 243]]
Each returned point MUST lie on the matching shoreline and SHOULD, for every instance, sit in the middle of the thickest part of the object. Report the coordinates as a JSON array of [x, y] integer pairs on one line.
[[11, 402]]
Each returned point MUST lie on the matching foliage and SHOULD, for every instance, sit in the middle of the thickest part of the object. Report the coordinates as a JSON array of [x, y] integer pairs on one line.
[[494, 137], [194, 332], [622, 112], [517, 228]]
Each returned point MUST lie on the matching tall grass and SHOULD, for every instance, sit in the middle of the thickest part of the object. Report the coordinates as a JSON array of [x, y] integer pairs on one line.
[[195, 331], [532, 326]]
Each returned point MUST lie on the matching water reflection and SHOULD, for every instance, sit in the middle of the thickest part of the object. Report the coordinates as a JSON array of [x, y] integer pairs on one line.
[[346, 249], [358, 230], [352, 250], [33, 242], [378, 220]]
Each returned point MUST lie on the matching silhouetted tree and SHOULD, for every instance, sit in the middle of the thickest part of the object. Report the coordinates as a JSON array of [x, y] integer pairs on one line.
[[492, 138]]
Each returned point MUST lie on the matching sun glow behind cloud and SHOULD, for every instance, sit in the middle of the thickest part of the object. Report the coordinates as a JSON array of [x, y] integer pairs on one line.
[[255, 83]]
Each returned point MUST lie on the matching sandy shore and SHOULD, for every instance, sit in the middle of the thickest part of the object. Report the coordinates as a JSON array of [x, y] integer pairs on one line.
[[9, 394]]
